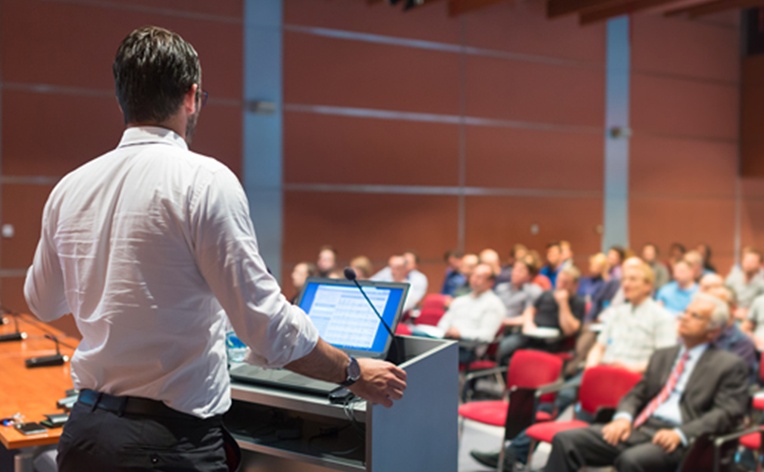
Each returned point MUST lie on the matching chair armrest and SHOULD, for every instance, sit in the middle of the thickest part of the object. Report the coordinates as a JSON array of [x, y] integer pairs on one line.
[[555, 386], [485, 373], [720, 440]]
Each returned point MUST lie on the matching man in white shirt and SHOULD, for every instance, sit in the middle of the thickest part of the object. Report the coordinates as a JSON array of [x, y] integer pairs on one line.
[[403, 268], [476, 316], [149, 247]]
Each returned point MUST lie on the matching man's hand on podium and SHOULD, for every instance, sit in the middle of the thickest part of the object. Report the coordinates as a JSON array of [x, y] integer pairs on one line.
[[381, 382]]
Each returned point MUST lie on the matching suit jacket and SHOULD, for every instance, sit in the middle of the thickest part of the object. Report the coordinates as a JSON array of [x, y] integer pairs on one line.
[[714, 400]]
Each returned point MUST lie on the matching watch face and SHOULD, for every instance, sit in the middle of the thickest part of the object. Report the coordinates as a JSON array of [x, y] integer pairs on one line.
[[354, 370]]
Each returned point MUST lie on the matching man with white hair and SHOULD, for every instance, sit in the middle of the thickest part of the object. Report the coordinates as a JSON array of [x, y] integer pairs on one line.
[[687, 390]]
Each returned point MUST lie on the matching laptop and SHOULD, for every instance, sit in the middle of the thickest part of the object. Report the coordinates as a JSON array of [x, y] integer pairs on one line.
[[345, 320]]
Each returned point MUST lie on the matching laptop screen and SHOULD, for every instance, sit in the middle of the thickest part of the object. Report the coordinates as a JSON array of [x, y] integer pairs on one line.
[[344, 318]]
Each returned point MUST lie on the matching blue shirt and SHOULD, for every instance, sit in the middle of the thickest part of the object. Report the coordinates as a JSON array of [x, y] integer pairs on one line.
[[674, 298], [550, 273], [452, 281]]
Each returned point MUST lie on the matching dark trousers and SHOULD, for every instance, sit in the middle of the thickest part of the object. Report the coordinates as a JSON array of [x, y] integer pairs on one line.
[[578, 448], [97, 439]]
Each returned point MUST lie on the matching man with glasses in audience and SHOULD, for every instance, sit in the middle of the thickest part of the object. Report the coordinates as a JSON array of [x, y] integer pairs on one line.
[[687, 390]]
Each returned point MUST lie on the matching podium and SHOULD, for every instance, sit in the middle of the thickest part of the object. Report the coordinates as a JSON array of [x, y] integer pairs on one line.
[[279, 430]]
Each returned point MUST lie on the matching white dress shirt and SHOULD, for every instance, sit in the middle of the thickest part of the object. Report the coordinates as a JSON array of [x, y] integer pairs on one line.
[[477, 317], [149, 246], [417, 285]]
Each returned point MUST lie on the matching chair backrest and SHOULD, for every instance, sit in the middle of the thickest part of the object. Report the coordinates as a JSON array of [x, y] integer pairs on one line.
[[532, 369], [603, 386], [433, 309]]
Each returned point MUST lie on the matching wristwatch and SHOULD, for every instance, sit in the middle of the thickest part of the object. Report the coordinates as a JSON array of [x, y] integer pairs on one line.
[[353, 372]]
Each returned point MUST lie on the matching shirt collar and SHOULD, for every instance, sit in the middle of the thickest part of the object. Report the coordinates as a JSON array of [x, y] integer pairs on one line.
[[695, 352], [138, 135]]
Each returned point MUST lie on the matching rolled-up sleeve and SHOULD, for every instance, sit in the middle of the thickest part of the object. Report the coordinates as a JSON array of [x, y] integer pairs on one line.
[[44, 283], [227, 255]]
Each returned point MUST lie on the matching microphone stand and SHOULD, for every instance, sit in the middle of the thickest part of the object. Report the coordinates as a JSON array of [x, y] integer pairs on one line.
[[46, 361], [15, 336]]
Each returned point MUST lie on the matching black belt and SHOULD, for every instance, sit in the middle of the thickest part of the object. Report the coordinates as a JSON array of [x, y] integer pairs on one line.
[[129, 405]]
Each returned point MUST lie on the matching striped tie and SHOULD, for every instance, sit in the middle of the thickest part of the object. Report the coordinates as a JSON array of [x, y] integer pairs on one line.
[[664, 393]]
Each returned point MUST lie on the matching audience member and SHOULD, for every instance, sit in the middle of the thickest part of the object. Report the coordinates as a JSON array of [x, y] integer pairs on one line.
[[405, 271], [628, 339], [747, 281], [518, 252], [597, 277], [615, 257], [695, 260], [553, 262], [676, 295], [534, 259], [518, 294], [453, 278], [676, 253], [732, 339], [469, 262], [491, 258], [476, 316], [300, 274], [650, 255], [560, 309], [705, 253], [362, 267], [566, 254], [753, 325], [687, 390], [327, 260]]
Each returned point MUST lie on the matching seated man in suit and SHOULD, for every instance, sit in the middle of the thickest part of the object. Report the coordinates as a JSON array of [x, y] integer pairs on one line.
[[688, 390]]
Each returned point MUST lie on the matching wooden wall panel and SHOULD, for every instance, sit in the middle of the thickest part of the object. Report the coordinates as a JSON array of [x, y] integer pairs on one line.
[[327, 71], [680, 167], [752, 119], [429, 23], [76, 129], [535, 92], [522, 28], [74, 44], [498, 222], [685, 48], [348, 150], [526, 158], [684, 108], [22, 207]]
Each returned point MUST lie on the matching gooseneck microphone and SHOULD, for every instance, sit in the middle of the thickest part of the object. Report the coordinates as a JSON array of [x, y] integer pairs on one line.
[[350, 275], [45, 361], [17, 335]]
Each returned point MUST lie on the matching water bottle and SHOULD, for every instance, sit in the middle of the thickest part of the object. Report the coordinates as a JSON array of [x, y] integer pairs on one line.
[[235, 349]]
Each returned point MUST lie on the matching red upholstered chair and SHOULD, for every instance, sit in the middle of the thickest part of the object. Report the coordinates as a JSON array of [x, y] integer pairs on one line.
[[433, 309], [601, 387], [529, 371]]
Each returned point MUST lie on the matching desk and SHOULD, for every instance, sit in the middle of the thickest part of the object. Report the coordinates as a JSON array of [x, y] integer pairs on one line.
[[31, 392]]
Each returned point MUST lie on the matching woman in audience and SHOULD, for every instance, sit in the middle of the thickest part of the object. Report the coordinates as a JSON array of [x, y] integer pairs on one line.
[[676, 254], [362, 267], [300, 274], [705, 252]]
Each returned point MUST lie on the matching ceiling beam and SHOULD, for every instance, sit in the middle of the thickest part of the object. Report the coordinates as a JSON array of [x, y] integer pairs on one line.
[[555, 8], [457, 7], [633, 6], [694, 11]]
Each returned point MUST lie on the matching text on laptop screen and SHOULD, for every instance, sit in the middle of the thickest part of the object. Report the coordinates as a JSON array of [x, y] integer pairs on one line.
[[344, 318]]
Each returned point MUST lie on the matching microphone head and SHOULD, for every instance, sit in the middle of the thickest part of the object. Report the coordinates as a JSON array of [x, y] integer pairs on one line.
[[51, 337], [349, 273]]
